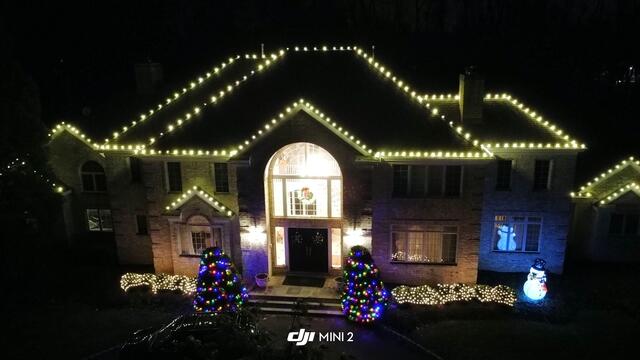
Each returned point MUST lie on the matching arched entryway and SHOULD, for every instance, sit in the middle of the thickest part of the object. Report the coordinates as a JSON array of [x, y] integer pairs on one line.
[[303, 189]]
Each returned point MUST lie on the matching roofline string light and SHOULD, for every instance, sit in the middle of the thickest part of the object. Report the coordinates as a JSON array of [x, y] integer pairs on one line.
[[623, 190], [422, 100], [19, 163], [584, 190], [192, 85], [315, 113], [217, 96], [570, 143], [197, 191]]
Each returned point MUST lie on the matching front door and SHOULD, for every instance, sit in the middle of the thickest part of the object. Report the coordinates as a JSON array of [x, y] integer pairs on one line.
[[308, 249]]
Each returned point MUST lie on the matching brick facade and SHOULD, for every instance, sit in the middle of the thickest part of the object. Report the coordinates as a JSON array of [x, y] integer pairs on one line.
[[472, 212]]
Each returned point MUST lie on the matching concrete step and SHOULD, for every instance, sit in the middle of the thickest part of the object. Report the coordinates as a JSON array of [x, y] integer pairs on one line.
[[296, 305]]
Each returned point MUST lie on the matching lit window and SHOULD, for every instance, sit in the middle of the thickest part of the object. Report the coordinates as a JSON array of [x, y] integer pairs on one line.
[[93, 178], [280, 249], [306, 182], [199, 235], [517, 233], [424, 244], [336, 248], [99, 220]]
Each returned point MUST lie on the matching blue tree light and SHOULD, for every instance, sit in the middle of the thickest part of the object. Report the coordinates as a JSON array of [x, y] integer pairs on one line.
[[218, 288], [364, 296]]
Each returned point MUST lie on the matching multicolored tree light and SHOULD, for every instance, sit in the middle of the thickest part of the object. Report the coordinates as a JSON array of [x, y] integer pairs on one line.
[[364, 296], [218, 288]]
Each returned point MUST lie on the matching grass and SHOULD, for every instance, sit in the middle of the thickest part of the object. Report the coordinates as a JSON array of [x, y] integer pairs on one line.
[[591, 312]]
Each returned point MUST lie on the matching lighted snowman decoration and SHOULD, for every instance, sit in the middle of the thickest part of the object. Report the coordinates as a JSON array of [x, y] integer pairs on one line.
[[536, 285], [506, 241]]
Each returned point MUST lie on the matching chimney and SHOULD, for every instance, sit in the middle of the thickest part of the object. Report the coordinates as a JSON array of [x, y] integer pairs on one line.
[[149, 77], [471, 93]]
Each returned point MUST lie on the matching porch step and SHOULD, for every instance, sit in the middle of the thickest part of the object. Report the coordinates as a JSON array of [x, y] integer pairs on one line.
[[296, 305]]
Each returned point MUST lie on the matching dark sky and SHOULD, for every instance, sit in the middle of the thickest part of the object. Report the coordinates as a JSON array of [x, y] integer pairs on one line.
[[563, 57]]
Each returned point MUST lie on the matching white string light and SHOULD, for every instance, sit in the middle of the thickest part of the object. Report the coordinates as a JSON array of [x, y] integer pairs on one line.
[[196, 191], [446, 293]]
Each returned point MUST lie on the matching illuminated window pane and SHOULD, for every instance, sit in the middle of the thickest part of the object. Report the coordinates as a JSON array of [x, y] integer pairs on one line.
[[304, 159], [424, 243], [517, 233], [336, 198], [280, 251], [306, 197], [278, 198], [336, 248]]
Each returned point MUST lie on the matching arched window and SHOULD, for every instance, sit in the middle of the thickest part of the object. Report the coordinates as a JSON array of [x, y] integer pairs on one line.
[[305, 181], [199, 235], [93, 178]]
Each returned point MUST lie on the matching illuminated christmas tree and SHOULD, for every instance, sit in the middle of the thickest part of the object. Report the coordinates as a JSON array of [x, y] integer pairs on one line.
[[218, 288], [364, 297]]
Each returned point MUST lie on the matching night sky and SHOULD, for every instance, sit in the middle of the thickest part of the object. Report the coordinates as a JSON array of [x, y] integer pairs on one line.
[[569, 59]]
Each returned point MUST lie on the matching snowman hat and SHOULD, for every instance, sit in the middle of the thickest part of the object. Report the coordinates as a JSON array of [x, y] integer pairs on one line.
[[539, 264]]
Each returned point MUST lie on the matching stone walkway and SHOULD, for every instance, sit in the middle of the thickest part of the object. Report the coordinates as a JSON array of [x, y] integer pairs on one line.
[[276, 288]]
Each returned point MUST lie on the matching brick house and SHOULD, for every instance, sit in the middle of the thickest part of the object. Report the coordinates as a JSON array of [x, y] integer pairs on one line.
[[289, 159], [606, 218]]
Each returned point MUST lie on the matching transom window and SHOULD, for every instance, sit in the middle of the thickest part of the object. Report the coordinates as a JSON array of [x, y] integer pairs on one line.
[[305, 182], [517, 233]]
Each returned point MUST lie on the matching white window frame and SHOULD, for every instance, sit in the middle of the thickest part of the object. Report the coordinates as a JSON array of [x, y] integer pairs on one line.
[[509, 220], [101, 228], [426, 228]]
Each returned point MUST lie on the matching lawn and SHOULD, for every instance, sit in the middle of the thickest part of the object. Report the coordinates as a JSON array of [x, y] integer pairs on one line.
[[589, 313]]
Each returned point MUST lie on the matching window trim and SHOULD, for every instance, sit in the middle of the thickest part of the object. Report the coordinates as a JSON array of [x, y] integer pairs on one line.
[[549, 175], [215, 178], [93, 175], [146, 219], [396, 262], [426, 195], [166, 177], [211, 226], [101, 228], [510, 216], [510, 186]]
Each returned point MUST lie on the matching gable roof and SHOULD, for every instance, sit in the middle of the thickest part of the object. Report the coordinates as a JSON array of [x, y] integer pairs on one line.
[[612, 182], [383, 110], [206, 197]]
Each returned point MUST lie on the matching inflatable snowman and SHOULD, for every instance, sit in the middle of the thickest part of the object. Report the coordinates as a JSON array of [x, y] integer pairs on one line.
[[536, 285]]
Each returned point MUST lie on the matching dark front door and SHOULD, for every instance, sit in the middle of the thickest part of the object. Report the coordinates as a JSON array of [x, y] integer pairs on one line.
[[308, 249]]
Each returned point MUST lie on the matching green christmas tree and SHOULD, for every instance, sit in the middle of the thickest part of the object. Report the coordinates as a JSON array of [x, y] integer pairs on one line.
[[364, 296], [218, 288]]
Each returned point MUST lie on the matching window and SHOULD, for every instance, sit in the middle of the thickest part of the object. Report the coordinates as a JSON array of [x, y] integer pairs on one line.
[[542, 175], [417, 180], [135, 166], [93, 178], [306, 182], [503, 175], [199, 235], [221, 174], [424, 244], [400, 180], [142, 225], [336, 248], [174, 176], [453, 180], [99, 220], [280, 248], [517, 233], [434, 180], [624, 224]]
